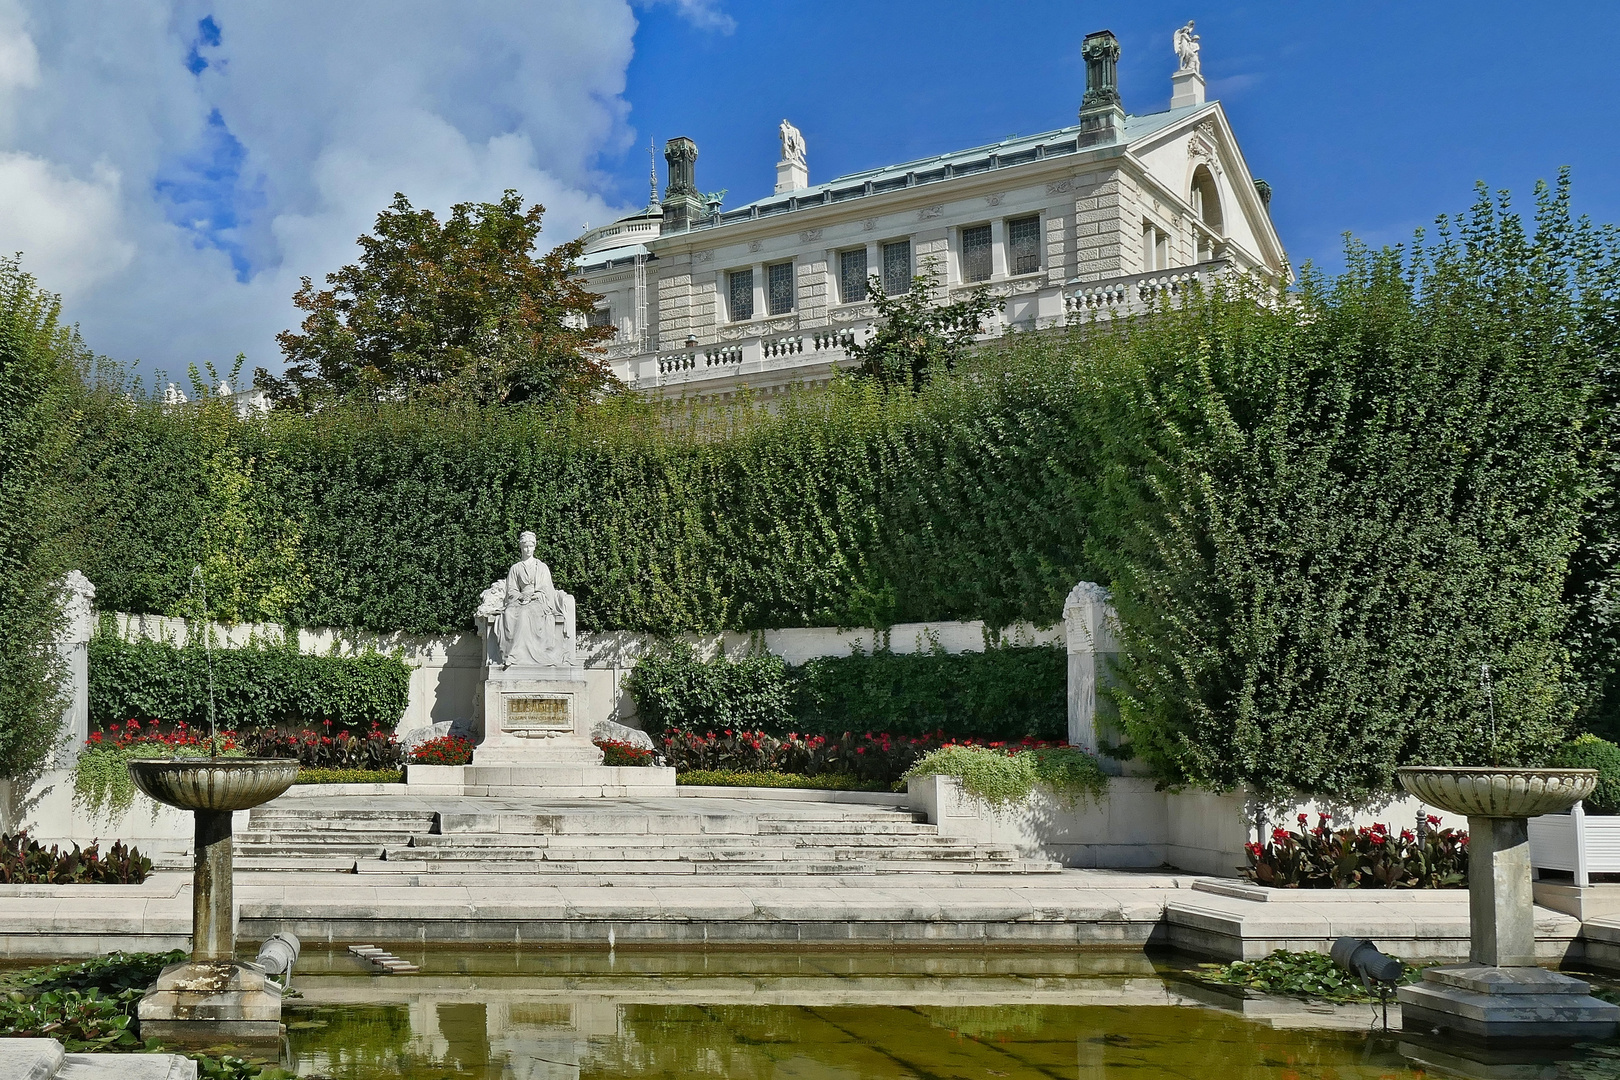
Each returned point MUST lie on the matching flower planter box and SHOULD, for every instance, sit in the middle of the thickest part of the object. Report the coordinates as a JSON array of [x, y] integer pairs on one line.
[[1582, 844]]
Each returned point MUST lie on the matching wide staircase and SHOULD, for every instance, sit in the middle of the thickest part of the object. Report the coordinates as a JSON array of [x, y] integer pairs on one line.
[[647, 837]]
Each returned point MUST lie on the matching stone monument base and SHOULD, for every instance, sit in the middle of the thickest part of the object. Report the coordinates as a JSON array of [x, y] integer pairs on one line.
[[553, 781], [1505, 1005], [205, 1002]]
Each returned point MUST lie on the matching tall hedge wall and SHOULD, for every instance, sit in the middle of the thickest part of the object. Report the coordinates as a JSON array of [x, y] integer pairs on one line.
[[848, 508]]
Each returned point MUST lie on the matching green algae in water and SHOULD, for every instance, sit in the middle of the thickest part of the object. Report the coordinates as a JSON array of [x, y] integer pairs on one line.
[[480, 1026]]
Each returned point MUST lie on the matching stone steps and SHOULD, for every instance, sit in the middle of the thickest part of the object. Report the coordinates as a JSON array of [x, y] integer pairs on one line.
[[676, 868], [592, 837]]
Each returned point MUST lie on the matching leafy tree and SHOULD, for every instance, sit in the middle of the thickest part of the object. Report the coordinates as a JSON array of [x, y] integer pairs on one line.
[[37, 373], [915, 335], [455, 311], [1322, 520]]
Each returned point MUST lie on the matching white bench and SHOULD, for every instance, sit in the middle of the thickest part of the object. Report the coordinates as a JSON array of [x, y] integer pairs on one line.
[[1582, 844]]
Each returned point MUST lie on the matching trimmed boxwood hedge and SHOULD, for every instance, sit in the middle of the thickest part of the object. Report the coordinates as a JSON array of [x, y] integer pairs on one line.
[[263, 686], [1007, 692]]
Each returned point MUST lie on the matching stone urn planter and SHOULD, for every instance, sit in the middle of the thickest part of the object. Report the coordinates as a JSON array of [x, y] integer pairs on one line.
[[1501, 994], [211, 996]]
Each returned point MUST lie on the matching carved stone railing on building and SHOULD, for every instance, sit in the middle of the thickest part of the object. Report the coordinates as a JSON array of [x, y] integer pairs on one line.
[[671, 362], [836, 339], [786, 346], [728, 354], [1135, 292]]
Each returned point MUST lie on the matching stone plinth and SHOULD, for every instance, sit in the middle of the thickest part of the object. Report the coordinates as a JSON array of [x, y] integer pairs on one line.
[[200, 1002], [535, 716], [537, 741], [1505, 1004]]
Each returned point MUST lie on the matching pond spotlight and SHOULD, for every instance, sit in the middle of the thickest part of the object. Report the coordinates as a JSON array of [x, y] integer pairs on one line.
[[1378, 972], [278, 955]]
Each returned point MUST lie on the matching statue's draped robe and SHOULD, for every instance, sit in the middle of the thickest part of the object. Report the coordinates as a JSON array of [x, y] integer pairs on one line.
[[532, 630]]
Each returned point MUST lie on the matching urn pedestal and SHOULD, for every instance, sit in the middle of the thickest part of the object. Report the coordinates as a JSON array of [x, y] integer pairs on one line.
[[1500, 995], [212, 997]]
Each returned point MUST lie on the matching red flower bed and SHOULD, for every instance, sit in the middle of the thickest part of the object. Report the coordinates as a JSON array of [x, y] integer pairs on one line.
[[132, 735], [615, 752], [445, 750], [1369, 857], [874, 757]]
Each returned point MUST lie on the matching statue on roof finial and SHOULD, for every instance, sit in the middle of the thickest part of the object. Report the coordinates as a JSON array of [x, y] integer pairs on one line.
[[792, 143], [1187, 48]]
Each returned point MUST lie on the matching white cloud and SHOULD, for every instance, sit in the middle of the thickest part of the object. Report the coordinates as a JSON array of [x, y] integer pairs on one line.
[[71, 225], [703, 14], [175, 183]]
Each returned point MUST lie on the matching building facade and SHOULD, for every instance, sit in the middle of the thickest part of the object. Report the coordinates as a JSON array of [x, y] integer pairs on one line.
[[1098, 218]]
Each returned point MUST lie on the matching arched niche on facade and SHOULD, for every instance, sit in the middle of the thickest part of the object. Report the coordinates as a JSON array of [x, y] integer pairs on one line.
[[1206, 203]]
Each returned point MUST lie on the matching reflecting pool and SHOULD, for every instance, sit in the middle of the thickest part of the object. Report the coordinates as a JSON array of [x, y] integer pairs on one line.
[[539, 1015]]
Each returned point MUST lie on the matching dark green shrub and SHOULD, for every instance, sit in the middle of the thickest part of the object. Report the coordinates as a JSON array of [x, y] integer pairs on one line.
[[1322, 518], [1591, 752], [1009, 692], [269, 686], [38, 358], [1005, 693], [676, 691]]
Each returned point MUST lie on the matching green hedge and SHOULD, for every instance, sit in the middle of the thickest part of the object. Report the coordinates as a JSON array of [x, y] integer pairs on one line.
[[849, 507], [1002, 693], [264, 686]]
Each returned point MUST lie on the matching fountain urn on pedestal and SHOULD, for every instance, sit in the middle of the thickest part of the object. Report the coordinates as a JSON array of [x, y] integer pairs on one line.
[[1501, 995], [212, 996]]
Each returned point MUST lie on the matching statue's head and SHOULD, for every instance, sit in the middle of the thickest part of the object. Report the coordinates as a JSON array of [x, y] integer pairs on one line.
[[526, 544]]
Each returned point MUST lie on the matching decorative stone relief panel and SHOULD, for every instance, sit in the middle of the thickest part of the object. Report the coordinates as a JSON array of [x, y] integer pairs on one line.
[[755, 245], [995, 200], [702, 256], [868, 224], [809, 236], [937, 210], [1058, 187]]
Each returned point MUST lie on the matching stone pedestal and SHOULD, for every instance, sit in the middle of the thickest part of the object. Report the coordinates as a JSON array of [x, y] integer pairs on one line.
[[1500, 996], [1505, 1004], [534, 716], [212, 997], [203, 1002], [537, 741], [1500, 910]]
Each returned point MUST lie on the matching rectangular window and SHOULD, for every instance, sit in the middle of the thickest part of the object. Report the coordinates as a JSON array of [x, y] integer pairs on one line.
[[779, 288], [897, 267], [976, 253], [852, 275], [740, 294], [1024, 244], [602, 316]]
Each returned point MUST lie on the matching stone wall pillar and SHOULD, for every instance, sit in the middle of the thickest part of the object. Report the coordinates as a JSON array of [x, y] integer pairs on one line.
[[73, 645], [1088, 618]]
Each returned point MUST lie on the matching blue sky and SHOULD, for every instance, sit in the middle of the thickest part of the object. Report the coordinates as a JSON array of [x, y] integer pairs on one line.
[[174, 167], [1366, 117]]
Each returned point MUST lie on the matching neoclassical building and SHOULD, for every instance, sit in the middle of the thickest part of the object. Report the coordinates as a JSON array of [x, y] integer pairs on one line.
[[1099, 217]]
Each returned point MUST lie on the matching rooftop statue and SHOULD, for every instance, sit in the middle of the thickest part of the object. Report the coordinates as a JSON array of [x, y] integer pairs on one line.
[[1187, 48], [526, 620], [792, 143]]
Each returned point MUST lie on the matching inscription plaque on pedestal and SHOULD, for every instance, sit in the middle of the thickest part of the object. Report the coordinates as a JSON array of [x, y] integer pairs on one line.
[[532, 715]]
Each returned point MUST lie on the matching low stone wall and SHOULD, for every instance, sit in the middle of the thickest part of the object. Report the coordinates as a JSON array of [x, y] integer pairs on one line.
[[1135, 826]]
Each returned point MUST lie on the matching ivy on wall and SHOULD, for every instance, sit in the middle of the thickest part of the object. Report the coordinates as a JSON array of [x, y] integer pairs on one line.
[[265, 685]]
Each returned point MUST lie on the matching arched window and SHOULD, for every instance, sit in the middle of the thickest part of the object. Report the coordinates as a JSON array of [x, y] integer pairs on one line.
[[1206, 201]]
